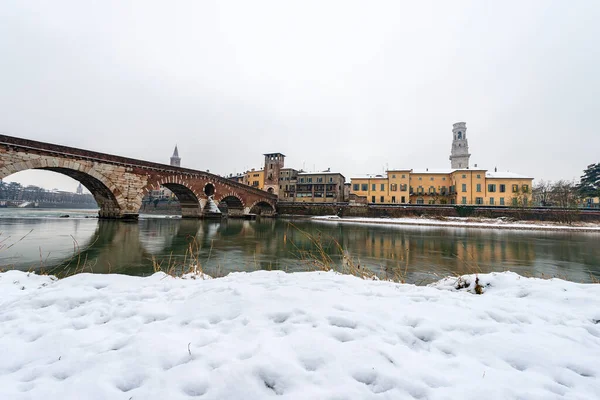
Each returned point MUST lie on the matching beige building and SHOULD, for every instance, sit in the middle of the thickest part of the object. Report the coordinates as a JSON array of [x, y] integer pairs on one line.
[[318, 187]]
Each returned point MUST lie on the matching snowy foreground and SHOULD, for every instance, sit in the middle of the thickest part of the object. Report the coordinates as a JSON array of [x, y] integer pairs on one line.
[[307, 335], [461, 222]]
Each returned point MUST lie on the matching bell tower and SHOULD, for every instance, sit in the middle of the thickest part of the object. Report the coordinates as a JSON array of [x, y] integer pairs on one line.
[[459, 157], [273, 165], [175, 159]]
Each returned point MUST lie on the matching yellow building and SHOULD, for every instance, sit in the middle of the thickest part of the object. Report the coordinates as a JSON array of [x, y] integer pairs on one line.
[[255, 178], [392, 188], [460, 186]]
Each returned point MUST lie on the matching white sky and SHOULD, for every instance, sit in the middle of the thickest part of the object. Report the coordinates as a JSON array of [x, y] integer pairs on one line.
[[355, 86]]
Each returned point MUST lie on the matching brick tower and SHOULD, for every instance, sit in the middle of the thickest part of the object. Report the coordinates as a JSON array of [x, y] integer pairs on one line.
[[273, 164], [459, 157]]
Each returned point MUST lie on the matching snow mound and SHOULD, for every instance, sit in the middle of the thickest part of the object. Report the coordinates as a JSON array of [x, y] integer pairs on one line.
[[326, 217], [314, 335]]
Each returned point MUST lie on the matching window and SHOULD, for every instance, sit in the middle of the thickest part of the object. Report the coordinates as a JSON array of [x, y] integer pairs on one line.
[[372, 199], [443, 179], [420, 201], [431, 190], [381, 199], [514, 201], [464, 200], [393, 199], [394, 187], [403, 199], [420, 190], [491, 201], [420, 178], [515, 188], [364, 187], [403, 176], [355, 187], [382, 187], [464, 177], [431, 178], [443, 190], [479, 187], [525, 188], [491, 187], [373, 187], [478, 200], [431, 201], [501, 201], [464, 187], [393, 176], [403, 187], [309, 180], [478, 176], [502, 188], [319, 180], [330, 179]]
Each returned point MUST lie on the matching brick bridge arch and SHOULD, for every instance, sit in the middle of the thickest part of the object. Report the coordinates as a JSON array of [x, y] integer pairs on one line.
[[105, 192], [118, 184]]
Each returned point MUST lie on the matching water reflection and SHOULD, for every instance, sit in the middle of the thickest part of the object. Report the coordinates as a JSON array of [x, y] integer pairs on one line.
[[421, 254]]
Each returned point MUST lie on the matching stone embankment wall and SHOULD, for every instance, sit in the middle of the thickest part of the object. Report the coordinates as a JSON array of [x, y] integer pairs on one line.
[[399, 211]]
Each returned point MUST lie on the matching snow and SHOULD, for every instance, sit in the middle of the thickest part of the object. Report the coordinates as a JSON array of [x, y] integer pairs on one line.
[[459, 222], [432, 171], [314, 335], [505, 175]]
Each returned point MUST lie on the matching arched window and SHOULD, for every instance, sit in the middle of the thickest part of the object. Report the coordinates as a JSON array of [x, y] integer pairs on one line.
[[460, 135]]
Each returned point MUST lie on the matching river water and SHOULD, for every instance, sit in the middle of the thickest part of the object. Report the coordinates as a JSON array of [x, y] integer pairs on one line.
[[41, 240]]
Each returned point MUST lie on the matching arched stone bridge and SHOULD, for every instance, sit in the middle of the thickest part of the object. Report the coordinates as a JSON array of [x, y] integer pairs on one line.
[[118, 183]]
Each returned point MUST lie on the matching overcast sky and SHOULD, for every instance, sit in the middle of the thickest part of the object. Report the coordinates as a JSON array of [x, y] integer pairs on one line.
[[354, 86]]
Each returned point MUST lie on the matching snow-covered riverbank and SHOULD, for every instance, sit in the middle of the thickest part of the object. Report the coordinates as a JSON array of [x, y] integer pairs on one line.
[[310, 335], [458, 222]]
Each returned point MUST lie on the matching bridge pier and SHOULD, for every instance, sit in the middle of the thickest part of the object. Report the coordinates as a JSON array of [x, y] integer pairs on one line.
[[191, 212]]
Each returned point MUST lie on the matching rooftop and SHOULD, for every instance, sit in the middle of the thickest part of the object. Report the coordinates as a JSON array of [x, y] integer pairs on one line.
[[318, 173], [505, 175]]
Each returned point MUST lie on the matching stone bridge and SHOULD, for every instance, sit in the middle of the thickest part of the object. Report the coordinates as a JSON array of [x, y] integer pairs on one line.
[[118, 183]]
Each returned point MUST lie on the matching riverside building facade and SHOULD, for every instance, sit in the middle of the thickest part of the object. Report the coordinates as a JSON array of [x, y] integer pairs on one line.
[[458, 185]]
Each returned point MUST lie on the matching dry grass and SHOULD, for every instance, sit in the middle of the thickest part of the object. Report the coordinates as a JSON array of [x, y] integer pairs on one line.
[[324, 251]]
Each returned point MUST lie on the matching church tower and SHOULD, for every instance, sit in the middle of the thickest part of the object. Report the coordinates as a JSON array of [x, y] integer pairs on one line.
[[459, 157], [175, 160]]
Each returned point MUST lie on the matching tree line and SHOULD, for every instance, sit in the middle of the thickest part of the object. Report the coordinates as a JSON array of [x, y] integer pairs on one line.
[[569, 194], [15, 192]]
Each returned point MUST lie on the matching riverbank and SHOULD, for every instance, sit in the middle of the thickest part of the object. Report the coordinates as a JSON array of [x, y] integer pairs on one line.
[[458, 222], [310, 335]]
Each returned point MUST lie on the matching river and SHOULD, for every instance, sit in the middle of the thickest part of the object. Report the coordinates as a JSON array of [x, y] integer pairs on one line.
[[39, 240]]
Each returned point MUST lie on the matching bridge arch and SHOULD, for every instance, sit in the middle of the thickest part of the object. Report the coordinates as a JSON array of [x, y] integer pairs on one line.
[[188, 198], [262, 207], [103, 189], [231, 204]]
